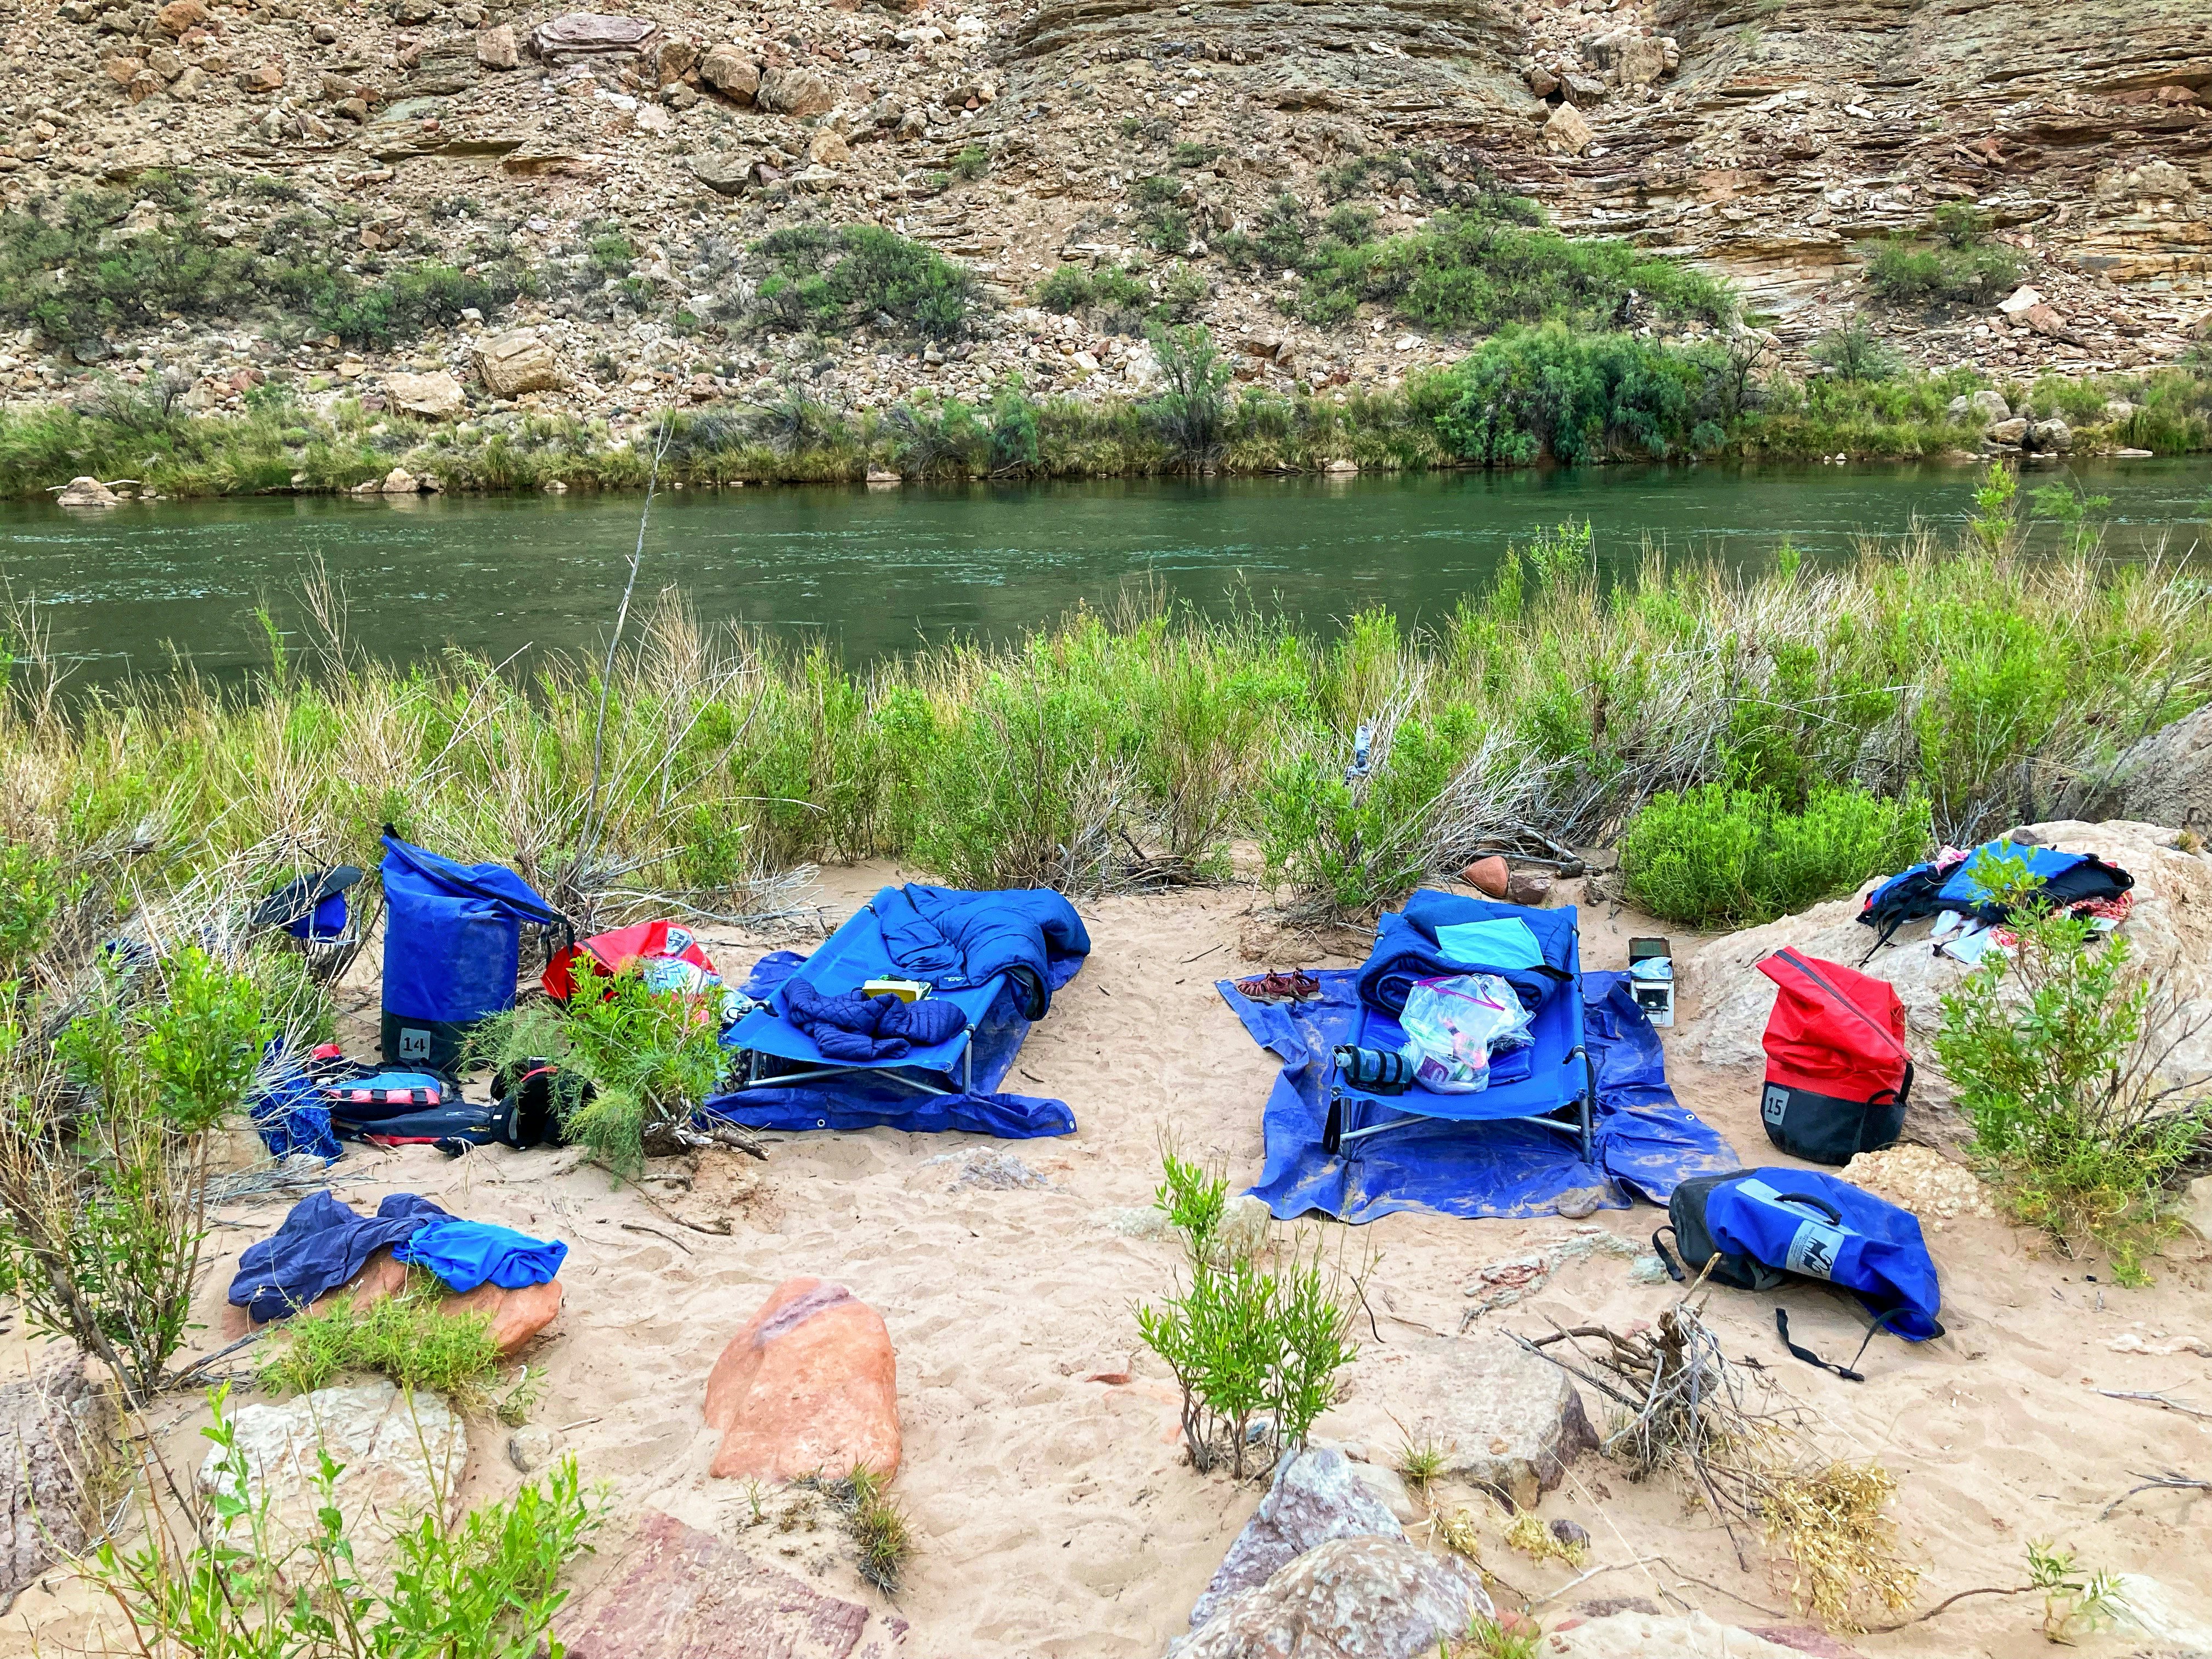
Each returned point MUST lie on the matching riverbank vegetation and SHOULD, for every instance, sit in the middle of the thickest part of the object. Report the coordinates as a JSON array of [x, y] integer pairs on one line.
[[1139, 746], [1528, 395]]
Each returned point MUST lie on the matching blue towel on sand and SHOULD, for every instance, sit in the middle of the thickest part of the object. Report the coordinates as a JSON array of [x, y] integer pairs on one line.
[[467, 1254]]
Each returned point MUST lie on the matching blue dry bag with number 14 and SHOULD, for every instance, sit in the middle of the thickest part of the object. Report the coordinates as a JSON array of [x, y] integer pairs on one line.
[[1761, 1228], [453, 948]]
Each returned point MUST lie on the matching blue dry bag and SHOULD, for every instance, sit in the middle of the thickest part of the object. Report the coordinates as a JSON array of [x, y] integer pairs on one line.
[[453, 948], [1767, 1226]]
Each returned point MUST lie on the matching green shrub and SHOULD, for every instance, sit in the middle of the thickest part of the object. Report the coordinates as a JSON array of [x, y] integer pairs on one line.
[[35, 889], [1552, 393], [1960, 265], [1189, 413], [1716, 854], [1855, 352], [972, 163], [2058, 1052], [216, 1574], [404, 1337], [646, 1057], [1243, 1339], [1484, 267], [821, 278]]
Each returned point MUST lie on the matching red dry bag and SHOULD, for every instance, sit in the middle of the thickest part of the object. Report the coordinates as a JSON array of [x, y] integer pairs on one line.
[[1837, 1072], [667, 956]]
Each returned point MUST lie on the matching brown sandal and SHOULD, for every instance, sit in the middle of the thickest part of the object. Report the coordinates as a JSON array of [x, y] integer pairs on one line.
[[1296, 985]]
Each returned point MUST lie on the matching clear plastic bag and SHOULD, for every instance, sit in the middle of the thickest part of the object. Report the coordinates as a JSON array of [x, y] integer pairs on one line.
[[1454, 1025]]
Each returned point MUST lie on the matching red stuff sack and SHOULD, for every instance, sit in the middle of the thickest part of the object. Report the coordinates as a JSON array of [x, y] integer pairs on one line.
[[1837, 1075], [667, 956]]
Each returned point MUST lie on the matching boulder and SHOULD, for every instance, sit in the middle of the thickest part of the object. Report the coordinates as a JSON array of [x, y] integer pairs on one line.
[[584, 34], [402, 1458], [496, 49], [1489, 876], [1582, 91], [1317, 1495], [1566, 131], [178, 15], [1350, 1598], [1529, 887], [517, 362], [684, 1594], [1988, 407], [796, 91], [810, 1385], [399, 481], [725, 172], [2048, 322], [2007, 431], [2164, 778], [829, 148], [2052, 437], [2020, 301], [59, 1432], [1659, 1635], [85, 492], [1641, 61], [732, 73], [1506, 1420], [1541, 81], [436, 395], [517, 1316], [2170, 926]]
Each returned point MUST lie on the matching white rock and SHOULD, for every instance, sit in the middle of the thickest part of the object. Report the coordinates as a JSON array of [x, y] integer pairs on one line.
[[2020, 299], [85, 492], [402, 1454], [437, 394]]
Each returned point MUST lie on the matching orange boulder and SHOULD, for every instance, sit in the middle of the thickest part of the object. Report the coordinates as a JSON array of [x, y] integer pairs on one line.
[[1487, 875], [810, 1385], [516, 1315]]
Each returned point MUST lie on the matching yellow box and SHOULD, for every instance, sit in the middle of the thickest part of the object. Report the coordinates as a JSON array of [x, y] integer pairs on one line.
[[906, 990]]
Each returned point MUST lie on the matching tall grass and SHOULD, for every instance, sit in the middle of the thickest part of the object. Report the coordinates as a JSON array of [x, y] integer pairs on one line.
[[1152, 742]]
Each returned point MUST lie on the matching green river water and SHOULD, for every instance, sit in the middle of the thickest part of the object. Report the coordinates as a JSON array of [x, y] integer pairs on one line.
[[879, 571]]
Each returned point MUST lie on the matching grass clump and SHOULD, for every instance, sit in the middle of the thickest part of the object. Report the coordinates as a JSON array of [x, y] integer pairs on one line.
[[882, 1539], [818, 279], [407, 1337], [1528, 1535], [2060, 1054], [1421, 1463], [1717, 855], [1243, 1338], [1832, 1522]]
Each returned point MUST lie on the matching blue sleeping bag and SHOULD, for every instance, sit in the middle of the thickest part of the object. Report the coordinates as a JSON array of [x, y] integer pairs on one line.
[[1406, 949], [956, 939], [453, 948]]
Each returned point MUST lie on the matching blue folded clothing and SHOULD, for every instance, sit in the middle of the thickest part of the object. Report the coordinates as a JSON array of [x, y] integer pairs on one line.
[[956, 939], [467, 1254], [853, 1027]]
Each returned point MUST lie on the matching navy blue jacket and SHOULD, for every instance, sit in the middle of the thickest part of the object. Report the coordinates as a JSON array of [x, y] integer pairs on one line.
[[1406, 949]]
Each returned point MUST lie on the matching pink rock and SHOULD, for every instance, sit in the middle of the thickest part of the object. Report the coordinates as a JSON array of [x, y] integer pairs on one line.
[[516, 1315], [810, 1385], [1487, 875], [1528, 887], [684, 1595]]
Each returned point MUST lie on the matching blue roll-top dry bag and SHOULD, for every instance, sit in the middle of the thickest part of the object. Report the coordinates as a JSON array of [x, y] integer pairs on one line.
[[453, 948]]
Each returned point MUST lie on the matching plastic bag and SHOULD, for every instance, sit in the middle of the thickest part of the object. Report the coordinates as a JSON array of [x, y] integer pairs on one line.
[[1453, 1025]]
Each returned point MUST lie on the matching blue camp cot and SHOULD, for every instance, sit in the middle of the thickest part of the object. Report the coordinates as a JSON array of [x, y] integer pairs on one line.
[[1549, 1082]]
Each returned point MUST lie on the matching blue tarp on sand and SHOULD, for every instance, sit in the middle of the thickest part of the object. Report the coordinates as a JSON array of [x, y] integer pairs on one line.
[[1646, 1142]]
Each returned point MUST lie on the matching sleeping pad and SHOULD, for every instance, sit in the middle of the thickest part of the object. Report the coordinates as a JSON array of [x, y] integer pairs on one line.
[[853, 1027], [1406, 949], [956, 939], [322, 1243]]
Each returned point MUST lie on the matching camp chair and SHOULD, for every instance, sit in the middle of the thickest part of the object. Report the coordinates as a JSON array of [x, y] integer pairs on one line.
[[1554, 1086], [772, 1054], [315, 915]]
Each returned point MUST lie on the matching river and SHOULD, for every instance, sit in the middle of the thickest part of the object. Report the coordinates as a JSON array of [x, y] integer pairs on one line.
[[878, 571]]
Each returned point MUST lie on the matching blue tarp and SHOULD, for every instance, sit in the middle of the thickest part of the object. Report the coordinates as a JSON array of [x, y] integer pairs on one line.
[[858, 1101], [1646, 1143]]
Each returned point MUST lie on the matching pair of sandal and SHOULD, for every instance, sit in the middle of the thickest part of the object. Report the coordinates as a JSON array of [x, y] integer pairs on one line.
[[1296, 985]]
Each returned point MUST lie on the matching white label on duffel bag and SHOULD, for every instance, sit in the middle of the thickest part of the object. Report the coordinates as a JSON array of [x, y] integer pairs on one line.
[[1813, 1251], [1775, 1102]]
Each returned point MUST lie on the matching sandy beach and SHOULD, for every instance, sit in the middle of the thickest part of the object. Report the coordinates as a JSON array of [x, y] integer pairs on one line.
[[1052, 1510]]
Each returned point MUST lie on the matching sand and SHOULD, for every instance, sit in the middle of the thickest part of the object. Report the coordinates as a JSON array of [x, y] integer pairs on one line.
[[1052, 1510]]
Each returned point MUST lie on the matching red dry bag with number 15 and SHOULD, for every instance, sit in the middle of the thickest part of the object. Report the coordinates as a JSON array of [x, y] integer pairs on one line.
[[1837, 1072]]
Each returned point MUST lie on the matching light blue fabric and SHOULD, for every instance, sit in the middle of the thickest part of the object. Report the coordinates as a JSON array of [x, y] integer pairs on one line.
[[467, 1254], [1504, 944]]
